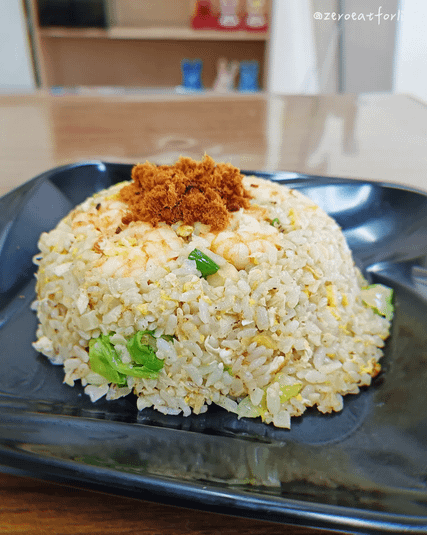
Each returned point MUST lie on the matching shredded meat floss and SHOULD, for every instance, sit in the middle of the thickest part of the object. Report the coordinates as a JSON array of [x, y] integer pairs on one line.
[[188, 191]]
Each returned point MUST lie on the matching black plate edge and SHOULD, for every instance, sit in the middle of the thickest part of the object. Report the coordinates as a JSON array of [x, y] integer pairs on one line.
[[208, 498], [276, 176]]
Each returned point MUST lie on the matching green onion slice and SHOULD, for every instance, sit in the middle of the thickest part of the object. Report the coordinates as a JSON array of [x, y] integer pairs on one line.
[[204, 264], [380, 299]]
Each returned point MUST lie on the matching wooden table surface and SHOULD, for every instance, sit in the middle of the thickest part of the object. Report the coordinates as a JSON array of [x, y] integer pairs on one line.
[[32, 506], [379, 137]]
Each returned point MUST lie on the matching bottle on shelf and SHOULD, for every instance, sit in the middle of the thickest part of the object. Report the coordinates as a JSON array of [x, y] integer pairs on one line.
[[192, 74], [203, 17]]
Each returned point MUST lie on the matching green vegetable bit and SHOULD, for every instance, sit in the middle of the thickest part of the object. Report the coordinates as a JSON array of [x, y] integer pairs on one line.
[[168, 337], [288, 392], [204, 264], [379, 298], [102, 357], [275, 222], [229, 370], [246, 409], [142, 348], [105, 360]]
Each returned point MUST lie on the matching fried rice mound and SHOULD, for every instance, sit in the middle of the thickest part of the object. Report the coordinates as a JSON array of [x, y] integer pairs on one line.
[[275, 325]]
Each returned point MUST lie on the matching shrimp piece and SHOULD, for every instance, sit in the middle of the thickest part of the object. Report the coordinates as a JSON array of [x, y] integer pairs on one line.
[[260, 248], [243, 248], [159, 243], [106, 219], [233, 247], [136, 245]]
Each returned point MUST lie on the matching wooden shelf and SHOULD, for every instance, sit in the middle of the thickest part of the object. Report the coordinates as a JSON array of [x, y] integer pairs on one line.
[[152, 33], [78, 33], [141, 48]]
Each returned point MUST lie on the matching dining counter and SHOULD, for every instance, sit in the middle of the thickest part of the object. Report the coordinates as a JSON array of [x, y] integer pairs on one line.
[[380, 137]]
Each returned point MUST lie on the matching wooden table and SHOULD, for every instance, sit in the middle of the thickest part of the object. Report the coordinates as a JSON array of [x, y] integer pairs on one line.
[[379, 137], [376, 137]]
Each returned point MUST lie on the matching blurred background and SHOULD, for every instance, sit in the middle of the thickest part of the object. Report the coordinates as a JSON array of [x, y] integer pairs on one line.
[[279, 46]]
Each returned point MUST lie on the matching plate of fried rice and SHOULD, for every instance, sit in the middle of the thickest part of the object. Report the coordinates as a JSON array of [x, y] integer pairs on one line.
[[223, 339]]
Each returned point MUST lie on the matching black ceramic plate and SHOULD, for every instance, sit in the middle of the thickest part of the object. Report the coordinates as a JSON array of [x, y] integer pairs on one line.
[[363, 470]]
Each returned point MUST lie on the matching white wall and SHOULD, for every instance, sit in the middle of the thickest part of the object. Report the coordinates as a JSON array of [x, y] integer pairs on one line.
[[379, 54], [292, 64], [16, 72], [410, 71], [327, 40], [368, 46]]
